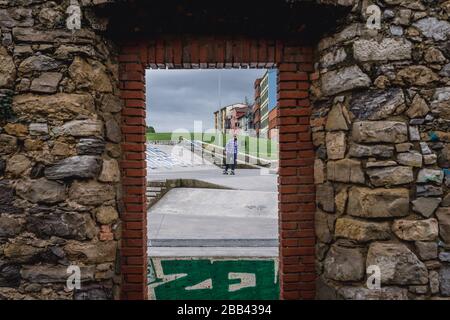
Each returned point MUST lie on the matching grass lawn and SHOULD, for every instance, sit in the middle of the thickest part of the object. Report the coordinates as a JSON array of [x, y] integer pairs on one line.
[[258, 147]]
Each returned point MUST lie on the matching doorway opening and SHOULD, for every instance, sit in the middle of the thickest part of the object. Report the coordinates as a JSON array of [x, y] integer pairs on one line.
[[296, 199], [212, 163]]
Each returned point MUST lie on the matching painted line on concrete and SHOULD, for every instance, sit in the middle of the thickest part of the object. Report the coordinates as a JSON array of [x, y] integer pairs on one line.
[[226, 243], [213, 252]]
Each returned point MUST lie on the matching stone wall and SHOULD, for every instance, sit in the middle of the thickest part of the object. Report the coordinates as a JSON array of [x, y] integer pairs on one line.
[[59, 152], [381, 131], [380, 126]]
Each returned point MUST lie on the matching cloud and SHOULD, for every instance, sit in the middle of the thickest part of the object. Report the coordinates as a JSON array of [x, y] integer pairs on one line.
[[177, 98]]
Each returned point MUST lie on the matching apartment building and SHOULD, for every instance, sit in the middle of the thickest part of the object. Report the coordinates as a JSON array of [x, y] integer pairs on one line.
[[230, 117], [267, 93]]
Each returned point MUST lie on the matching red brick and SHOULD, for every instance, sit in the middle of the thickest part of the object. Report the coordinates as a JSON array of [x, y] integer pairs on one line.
[[135, 208], [132, 234], [133, 164], [133, 129], [137, 67], [134, 243], [133, 120], [296, 182], [132, 217], [293, 94], [106, 236], [136, 172], [133, 112], [135, 138], [129, 58], [135, 103], [132, 94], [131, 76], [134, 147], [134, 278], [127, 181], [135, 156], [293, 76]]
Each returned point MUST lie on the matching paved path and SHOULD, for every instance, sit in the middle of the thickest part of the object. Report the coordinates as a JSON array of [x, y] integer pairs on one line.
[[176, 162]]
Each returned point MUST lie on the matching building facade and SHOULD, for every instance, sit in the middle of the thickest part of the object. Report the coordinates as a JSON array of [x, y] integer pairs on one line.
[[232, 117], [272, 133], [268, 99], [256, 111]]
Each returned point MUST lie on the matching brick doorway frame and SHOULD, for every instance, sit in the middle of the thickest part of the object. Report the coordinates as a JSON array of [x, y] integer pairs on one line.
[[296, 193]]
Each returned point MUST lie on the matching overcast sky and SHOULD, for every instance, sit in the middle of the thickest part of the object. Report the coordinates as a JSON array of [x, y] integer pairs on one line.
[[177, 98]]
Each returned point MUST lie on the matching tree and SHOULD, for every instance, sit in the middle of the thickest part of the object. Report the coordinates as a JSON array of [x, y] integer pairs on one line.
[[150, 129]]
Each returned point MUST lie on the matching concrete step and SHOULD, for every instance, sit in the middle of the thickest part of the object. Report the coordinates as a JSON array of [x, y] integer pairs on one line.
[[155, 190], [157, 183]]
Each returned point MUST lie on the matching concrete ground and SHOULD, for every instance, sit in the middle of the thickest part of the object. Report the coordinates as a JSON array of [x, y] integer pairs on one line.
[[245, 179], [174, 162], [213, 222]]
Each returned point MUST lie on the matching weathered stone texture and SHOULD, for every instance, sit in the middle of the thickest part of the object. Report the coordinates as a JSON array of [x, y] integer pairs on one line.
[[81, 128], [391, 176], [378, 203], [434, 28], [91, 192], [91, 253], [444, 280], [53, 274], [380, 131], [344, 264], [387, 49], [345, 170], [426, 250], [365, 151], [41, 191], [324, 225], [57, 89], [90, 74], [378, 104], [426, 206], [398, 264], [47, 83], [385, 293], [66, 225], [440, 105], [60, 106], [386, 147], [361, 231], [416, 230], [345, 79], [443, 215], [74, 167], [110, 171], [7, 69]]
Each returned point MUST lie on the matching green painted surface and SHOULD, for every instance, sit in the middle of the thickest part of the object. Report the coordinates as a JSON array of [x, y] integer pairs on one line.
[[199, 279]]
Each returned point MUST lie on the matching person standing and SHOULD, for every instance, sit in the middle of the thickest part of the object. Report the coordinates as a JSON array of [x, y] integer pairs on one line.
[[231, 152]]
